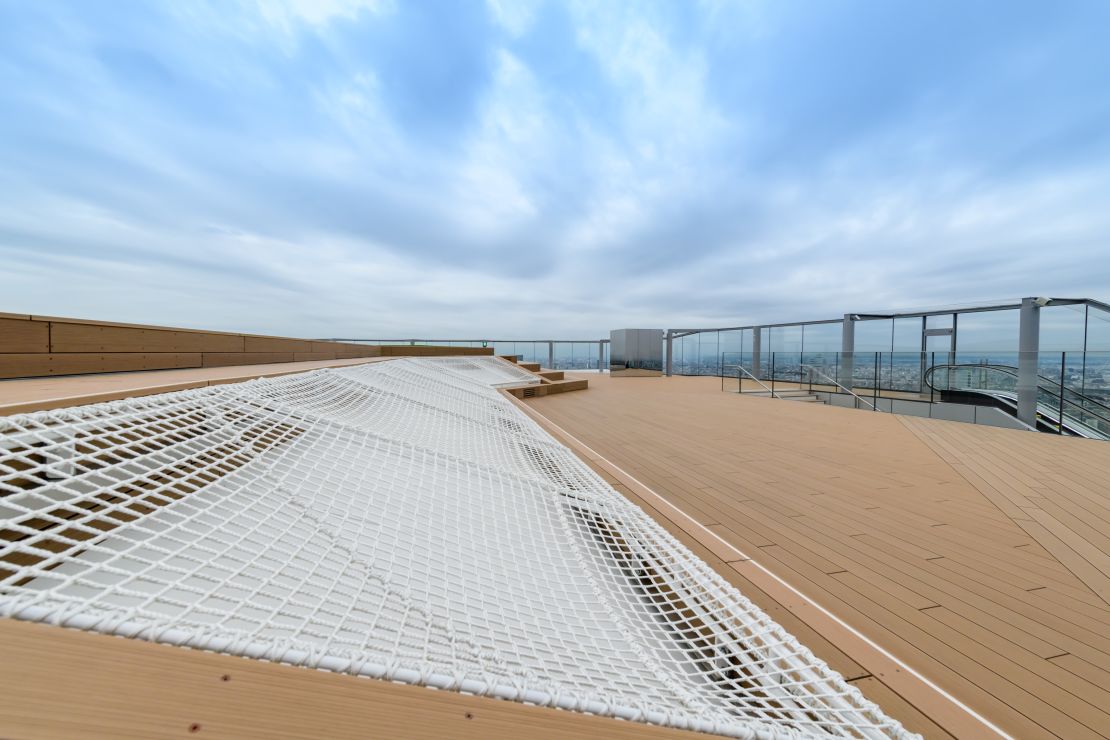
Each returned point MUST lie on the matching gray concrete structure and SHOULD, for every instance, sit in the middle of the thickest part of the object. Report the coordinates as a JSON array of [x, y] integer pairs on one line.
[[636, 352], [1029, 341], [757, 349], [847, 350], [670, 352]]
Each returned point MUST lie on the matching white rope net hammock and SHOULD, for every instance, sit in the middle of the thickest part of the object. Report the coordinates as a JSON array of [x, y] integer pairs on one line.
[[400, 520]]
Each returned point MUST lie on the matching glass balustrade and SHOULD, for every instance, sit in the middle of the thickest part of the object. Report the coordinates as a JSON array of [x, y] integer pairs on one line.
[[1072, 393], [554, 354]]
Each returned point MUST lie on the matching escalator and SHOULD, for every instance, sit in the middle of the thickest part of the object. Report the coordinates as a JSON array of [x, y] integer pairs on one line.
[[996, 385]]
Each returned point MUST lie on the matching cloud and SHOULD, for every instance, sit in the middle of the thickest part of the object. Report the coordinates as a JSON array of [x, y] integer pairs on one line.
[[515, 16], [482, 168], [287, 25], [317, 13]]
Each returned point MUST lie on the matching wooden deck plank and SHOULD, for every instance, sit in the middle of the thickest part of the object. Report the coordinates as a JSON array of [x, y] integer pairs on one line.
[[1009, 469], [913, 720], [63, 683], [914, 639], [969, 552]]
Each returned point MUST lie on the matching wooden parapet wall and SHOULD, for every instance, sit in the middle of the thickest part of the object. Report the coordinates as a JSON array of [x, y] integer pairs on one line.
[[37, 346]]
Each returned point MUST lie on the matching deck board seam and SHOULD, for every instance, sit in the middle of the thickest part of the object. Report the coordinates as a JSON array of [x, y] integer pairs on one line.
[[632, 482]]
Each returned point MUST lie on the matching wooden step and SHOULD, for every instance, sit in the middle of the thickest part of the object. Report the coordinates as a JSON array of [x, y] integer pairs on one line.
[[788, 395], [555, 386], [551, 374], [807, 398], [802, 396], [533, 366]]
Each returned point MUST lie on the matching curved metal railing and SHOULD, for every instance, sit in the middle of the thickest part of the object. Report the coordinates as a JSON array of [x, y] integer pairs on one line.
[[1076, 412]]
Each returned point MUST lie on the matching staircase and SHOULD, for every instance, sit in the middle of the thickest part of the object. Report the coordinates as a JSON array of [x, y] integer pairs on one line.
[[799, 395], [551, 381]]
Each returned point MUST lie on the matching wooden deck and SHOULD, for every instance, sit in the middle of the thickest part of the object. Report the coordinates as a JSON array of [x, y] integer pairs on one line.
[[64, 683], [977, 557]]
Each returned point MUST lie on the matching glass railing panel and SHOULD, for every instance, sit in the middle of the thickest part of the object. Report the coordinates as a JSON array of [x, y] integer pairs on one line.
[[583, 356], [579, 356], [764, 365], [999, 375], [1089, 406], [1088, 375], [1095, 376], [564, 356], [708, 352], [728, 342], [1081, 386], [864, 370], [820, 369], [902, 372]]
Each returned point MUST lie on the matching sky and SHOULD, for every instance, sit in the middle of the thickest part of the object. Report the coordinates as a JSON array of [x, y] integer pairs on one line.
[[530, 169]]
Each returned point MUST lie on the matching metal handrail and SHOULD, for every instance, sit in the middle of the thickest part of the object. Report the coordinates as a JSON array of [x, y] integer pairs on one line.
[[741, 368], [1042, 381], [855, 395]]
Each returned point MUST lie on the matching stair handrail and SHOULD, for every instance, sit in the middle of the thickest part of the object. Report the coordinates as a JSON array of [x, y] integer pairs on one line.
[[741, 368], [855, 395]]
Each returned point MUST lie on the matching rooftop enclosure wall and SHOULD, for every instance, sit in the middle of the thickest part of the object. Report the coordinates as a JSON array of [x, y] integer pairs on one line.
[[35, 346], [1077, 326], [636, 351]]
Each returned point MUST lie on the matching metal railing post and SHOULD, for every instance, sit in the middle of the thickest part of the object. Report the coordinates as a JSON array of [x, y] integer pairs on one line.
[[772, 375], [757, 357], [932, 369], [669, 358], [875, 390], [1063, 378]]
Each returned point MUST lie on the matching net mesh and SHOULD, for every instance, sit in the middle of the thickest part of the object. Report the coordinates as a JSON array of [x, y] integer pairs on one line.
[[401, 520]]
